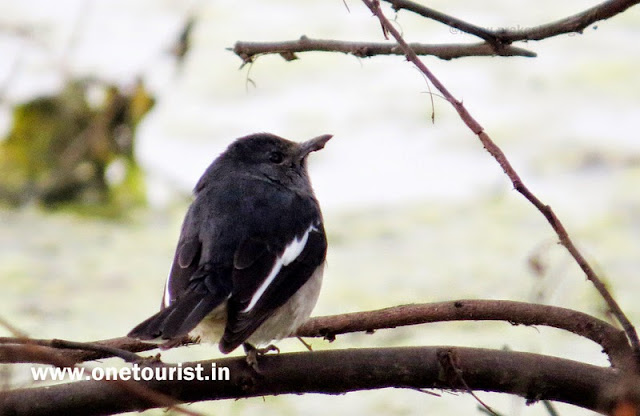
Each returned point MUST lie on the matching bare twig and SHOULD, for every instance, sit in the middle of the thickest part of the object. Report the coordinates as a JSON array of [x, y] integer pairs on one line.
[[487, 35], [62, 344], [248, 51], [496, 152], [452, 371], [17, 350], [571, 24], [11, 328], [550, 409]]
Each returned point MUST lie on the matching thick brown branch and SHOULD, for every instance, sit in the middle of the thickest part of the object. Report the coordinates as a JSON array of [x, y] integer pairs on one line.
[[611, 339], [497, 153], [533, 376], [248, 51]]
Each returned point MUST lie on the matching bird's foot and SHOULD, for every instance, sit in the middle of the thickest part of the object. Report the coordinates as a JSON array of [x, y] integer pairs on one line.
[[253, 353], [178, 342]]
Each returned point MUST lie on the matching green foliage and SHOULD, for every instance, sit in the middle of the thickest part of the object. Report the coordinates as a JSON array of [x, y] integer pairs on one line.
[[59, 149]]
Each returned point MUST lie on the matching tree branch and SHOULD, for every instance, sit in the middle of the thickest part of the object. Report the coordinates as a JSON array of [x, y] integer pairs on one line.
[[64, 353], [532, 376], [496, 42], [502, 160], [571, 24], [612, 340], [47, 352], [487, 35], [249, 51]]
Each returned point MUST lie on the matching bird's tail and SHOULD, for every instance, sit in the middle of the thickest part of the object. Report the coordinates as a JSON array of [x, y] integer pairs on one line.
[[179, 318]]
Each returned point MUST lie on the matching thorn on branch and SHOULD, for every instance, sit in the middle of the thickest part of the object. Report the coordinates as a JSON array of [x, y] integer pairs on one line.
[[288, 56], [329, 336], [246, 59]]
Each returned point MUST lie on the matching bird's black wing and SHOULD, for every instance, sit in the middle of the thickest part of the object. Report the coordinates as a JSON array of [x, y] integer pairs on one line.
[[191, 292], [265, 278]]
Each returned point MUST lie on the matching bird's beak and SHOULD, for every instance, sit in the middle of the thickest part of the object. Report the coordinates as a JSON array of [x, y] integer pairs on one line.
[[314, 144]]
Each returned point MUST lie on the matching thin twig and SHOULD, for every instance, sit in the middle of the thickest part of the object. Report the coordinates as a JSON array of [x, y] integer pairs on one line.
[[487, 35], [11, 328], [20, 350], [496, 152], [550, 409], [129, 357], [62, 344], [451, 370], [48, 352], [248, 51], [571, 24]]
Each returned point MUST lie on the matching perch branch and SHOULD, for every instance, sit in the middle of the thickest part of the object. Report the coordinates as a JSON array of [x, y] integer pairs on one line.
[[611, 339], [533, 376], [496, 152]]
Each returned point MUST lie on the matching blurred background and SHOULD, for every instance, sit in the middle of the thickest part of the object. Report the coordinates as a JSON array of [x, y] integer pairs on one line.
[[111, 110]]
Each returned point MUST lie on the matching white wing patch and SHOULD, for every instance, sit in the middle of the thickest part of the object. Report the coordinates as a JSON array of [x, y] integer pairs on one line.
[[167, 295], [290, 253]]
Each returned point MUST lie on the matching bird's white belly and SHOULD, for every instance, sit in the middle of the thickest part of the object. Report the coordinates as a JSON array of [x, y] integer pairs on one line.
[[283, 322]]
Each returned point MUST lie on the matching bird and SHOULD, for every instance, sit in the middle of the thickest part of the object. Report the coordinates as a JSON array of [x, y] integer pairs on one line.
[[250, 258]]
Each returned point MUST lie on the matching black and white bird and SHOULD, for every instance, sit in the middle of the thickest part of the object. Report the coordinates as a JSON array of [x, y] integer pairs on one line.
[[249, 262]]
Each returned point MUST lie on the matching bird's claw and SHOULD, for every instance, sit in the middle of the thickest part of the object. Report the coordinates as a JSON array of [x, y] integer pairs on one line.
[[253, 353]]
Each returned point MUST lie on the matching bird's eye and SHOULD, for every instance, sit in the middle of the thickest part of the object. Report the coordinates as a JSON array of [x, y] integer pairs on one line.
[[276, 157]]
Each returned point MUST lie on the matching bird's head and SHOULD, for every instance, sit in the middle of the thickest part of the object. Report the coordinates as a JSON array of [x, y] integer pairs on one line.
[[276, 159]]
